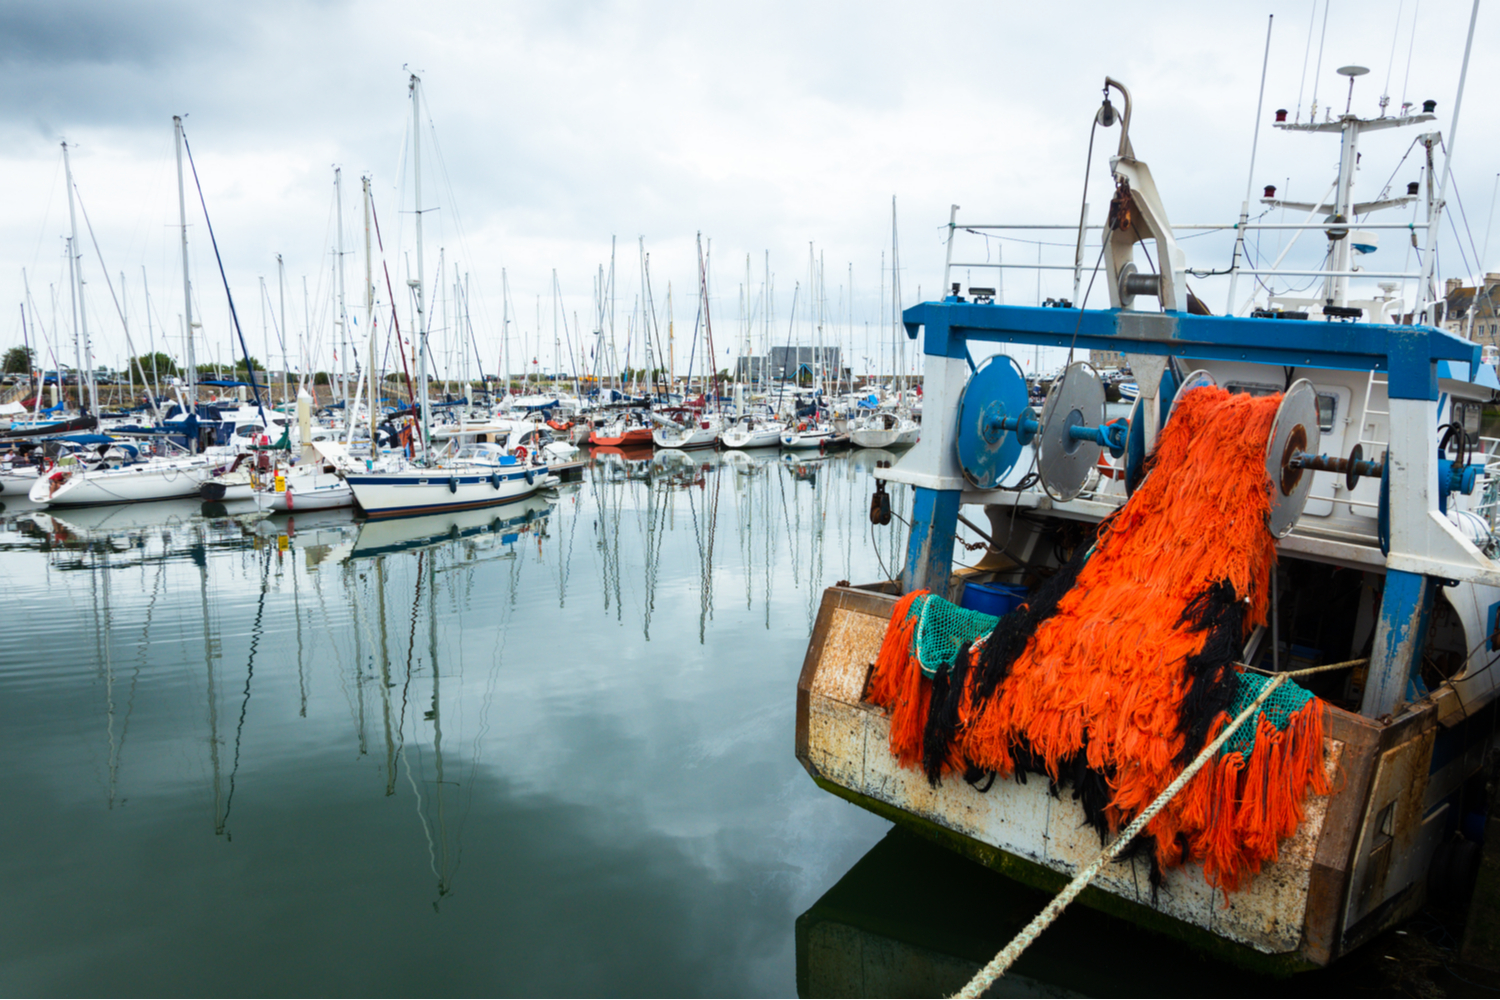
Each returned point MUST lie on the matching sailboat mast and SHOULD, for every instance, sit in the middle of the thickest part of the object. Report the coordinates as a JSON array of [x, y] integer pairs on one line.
[[343, 320], [285, 361], [614, 357], [370, 355], [416, 283], [187, 283], [85, 354], [505, 331]]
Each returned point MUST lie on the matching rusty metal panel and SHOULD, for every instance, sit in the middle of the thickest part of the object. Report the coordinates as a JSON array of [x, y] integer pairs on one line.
[[849, 650], [1384, 861]]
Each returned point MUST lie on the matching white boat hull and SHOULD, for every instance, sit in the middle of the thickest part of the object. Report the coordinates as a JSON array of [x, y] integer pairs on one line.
[[321, 491], [769, 437], [18, 481], [130, 484], [904, 435], [685, 438], [428, 491], [804, 440]]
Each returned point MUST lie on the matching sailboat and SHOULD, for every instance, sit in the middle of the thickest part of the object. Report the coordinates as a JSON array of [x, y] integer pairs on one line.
[[894, 427], [476, 475], [161, 478]]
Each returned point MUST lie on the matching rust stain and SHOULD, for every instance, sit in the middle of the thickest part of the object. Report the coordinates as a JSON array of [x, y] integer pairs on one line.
[[852, 644]]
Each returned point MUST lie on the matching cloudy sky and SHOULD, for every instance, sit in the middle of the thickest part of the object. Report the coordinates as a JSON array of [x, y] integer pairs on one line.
[[774, 129]]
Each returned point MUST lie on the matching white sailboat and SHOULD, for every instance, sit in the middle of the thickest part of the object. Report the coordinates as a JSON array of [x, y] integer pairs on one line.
[[163, 478], [752, 431], [478, 475]]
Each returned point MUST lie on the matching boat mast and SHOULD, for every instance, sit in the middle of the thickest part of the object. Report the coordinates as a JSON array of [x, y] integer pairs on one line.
[[285, 361], [85, 359], [416, 283], [710, 370], [343, 318], [614, 357], [370, 314], [505, 331], [187, 283]]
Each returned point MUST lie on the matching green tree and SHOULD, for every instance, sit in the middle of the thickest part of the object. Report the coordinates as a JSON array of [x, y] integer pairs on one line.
[[153, 365], [18, 360]]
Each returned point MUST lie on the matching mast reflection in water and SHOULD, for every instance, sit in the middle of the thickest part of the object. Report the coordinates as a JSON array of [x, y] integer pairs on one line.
[[540, 748]]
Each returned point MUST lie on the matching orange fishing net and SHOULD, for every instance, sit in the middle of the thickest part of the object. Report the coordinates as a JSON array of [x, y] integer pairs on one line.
[[1119, 670]]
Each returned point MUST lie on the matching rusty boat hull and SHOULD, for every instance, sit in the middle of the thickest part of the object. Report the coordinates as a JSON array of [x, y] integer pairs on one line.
[[1356, 866]]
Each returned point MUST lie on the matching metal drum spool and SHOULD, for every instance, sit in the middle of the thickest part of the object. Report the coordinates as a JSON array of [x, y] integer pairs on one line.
[[986, 451], [1063, 461], [1294, 431], [1195, 380], [1135, 446]]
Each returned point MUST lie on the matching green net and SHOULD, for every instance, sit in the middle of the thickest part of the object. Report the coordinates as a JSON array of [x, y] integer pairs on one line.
[[942, 628], [1285, 700]]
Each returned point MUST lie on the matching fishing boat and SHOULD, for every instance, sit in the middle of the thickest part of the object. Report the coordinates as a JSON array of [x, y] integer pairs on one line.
[[1372, 606]]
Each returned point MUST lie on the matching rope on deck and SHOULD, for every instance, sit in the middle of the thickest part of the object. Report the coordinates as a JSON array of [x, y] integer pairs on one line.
[[998, 966]]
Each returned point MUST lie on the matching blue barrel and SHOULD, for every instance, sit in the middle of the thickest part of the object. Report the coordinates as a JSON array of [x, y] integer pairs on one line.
[[996, 599]]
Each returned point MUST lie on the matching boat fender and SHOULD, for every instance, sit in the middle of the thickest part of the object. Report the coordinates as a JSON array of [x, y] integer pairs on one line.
[[530, 477], [495, 480], [288, 496], [452, 484]]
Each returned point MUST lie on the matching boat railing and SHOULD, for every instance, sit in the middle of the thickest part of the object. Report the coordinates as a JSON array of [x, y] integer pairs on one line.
[[1080, 264]]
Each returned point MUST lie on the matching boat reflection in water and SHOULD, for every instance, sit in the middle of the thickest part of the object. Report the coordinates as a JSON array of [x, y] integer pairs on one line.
[[557, 722]]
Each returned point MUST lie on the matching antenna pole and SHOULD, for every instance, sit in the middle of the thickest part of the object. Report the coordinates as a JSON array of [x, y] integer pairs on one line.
[[1437, 209], [1239, 237]]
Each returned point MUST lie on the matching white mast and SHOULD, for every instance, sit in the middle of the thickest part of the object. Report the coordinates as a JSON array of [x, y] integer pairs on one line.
[[265, 333], [285, 361], [343, 318], [371, 368], [614, 357], [85, 359], [187, 284], [505, 331], [416, 283]]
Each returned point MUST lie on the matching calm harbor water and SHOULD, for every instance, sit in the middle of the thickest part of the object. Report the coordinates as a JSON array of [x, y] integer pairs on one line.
[[538, 749]]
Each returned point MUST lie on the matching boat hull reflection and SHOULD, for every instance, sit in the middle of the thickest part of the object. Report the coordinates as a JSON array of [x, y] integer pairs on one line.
[[508, 521]]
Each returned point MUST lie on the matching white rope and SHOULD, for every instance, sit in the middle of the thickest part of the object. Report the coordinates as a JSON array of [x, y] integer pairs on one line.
[[986, 976]]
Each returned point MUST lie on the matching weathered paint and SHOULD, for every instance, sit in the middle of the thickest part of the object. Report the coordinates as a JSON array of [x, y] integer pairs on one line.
[[1409, 353], [929, 548], [844, 743], [1405, 609]]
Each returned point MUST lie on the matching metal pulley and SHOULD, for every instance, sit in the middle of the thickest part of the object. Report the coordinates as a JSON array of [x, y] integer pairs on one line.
[[1073, 432], [996, 425], [1292, 454], [995, 422]]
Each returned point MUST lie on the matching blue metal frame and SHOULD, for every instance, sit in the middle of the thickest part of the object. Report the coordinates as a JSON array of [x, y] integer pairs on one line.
[[1409, 355]]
